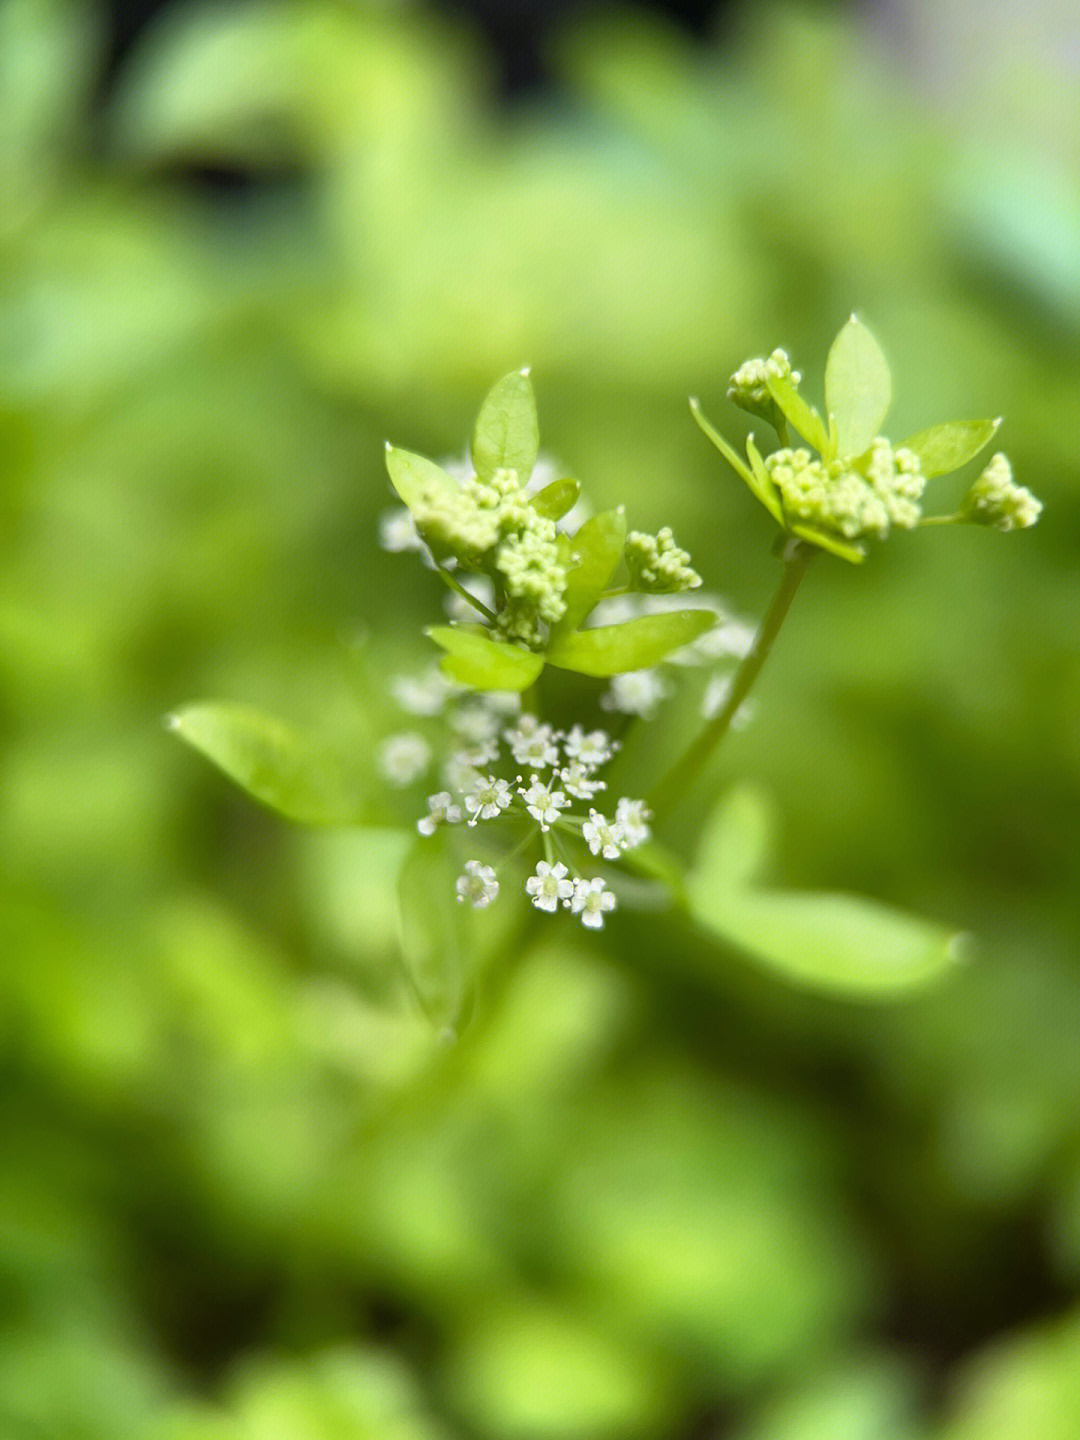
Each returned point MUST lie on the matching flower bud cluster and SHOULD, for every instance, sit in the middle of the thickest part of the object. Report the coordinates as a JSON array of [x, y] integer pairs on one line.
[[558, 769], [657, 565], [996, 499], [853, 498], [748, 387], [492, 526]]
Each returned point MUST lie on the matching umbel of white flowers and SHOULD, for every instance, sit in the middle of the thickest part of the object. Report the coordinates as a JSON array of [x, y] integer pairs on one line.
[[558, 770]]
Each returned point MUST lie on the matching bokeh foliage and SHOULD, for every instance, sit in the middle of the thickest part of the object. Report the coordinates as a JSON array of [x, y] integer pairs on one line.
[[244, 1194]]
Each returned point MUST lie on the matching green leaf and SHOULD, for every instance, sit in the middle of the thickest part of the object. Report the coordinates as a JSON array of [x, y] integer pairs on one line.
[[272, 762], [842, 944], [507, 436], [437, 933], [795, 410], [598, 546], [858, 388], [946, 447], [556, 499], [845, 549], [737, 838], [766, 493], [635, 645], [418, 481], [472, 658]]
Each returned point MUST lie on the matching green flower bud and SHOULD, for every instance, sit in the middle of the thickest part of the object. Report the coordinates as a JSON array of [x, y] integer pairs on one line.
[[996, 499], [748, 387], [657, 565]]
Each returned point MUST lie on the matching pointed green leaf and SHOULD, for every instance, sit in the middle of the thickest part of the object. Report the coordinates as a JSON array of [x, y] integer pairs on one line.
[[858, 387], [841, 944], [507, 436], [765, 493], [845, 549], [436, 932], [795, 410], [272, 762], [635, 645], [598, 546], [472, 658], [946, 447], [418, 481], [556, 499]]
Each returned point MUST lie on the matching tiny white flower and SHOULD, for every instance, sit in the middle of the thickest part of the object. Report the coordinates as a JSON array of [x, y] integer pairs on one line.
[[542, 802], [478, 885], [591, 900], [525, 724], [549, 887], [603, 837], [502, 702], [637, 692], [397, 531], [424, 694], [474, 722], [730, 640], [716, 697], [578, 781], [404, 758], [591, 750], [458, 773], [633, 816], [442, 811], [538, 749], [487, 797], [477, 757]]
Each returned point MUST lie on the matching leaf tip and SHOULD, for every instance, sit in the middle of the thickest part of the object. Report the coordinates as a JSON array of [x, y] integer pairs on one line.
[[695, 403], [853, 319], [524, 371], [172, 722], [389, 447]]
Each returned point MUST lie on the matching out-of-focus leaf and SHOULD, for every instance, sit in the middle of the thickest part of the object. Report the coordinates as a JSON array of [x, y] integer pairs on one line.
[[598, 546], [800, 415], [417, 480], [844, 549], [840, 944], [556, 499], [736, 842], [635, 645], [271, 761], [765, 492], [858, 387], [436, 931], [473, 659], [507, 435], [946, 447]]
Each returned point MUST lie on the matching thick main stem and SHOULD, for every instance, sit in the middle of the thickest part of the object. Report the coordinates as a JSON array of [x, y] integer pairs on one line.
[[678, 780]]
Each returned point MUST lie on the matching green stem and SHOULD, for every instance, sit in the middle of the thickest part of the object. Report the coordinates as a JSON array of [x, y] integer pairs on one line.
[[679, 779], [939, 520], [459, 589]]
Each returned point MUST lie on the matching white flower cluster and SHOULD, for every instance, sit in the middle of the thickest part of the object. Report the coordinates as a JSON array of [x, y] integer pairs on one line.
[[561, 768], [996, 499], [848, 500]]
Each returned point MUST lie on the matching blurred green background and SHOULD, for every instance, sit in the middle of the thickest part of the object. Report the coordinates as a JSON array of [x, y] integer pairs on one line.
[[243, 1193]]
